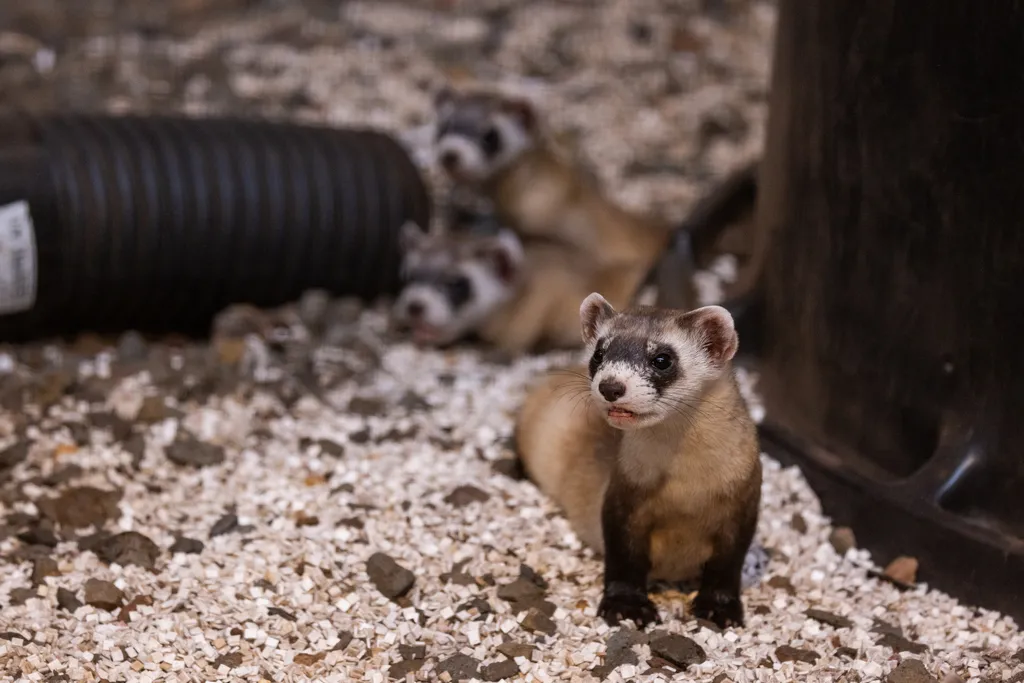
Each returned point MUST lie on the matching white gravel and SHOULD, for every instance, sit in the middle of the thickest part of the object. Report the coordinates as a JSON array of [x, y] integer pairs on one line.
[[285, 595], [303, 554]]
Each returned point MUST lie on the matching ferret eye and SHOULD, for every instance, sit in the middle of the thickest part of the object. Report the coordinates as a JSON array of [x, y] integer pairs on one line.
[[459, 290], [491, 142], [661, 362]]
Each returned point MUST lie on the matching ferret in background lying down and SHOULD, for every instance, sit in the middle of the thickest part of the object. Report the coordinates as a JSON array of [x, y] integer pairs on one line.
[[494, 145], [516, 296]]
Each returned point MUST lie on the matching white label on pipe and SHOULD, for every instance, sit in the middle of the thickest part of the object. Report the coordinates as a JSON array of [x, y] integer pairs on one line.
[[17, 258]]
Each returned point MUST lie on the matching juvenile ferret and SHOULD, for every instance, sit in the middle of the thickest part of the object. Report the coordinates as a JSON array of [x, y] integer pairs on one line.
[[658, 469], [516, 297], [495, 145]]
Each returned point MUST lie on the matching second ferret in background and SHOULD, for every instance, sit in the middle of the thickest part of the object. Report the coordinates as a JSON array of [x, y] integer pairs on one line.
[[518, 289]]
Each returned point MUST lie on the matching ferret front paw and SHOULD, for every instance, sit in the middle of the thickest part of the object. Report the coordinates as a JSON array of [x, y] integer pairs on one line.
[[628, 606], [721, 609]]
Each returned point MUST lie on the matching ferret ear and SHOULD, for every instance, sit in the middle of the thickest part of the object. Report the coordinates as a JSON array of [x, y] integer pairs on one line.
[[410, 236], [716, 331], [504, 253], [594, 312], [522, 112]]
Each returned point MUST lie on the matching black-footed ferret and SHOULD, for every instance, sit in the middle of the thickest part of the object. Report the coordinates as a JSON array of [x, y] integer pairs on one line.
[[660, 470], [495, 144], [517, 297]]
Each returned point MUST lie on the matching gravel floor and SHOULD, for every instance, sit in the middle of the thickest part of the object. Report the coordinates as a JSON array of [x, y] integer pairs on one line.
[[308, 498]]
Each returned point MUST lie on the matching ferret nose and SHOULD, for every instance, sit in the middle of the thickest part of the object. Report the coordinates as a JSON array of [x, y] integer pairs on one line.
[[449, 160], [415, 309], [611, 389]]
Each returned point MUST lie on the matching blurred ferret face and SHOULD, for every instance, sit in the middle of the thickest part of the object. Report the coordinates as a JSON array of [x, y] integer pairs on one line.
[[454, 282], [479, 133]]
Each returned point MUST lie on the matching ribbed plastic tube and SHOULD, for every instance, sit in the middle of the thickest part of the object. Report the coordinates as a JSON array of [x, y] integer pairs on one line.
[[157, 223]]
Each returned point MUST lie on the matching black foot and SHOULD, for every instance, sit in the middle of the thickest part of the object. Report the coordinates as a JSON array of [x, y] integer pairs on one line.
[[628, 606], [721, 609]]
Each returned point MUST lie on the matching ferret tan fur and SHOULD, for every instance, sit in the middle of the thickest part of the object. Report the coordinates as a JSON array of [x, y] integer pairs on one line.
[[676, 488]]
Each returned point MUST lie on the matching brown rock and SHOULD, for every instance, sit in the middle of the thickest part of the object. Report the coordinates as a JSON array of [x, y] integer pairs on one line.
[[512, 649], [231, 660], [81, 507], [366, 407], [43, 567], [466, 495], [309, 659], [19, 596], [798, 523], [537, 622], [902, 569], [910, 671], [842, 539], [103, 594], [900, 644], [782, 583], [787, 653]]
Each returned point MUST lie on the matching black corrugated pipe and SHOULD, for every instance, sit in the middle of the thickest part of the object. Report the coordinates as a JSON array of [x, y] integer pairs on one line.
[[157, 223]]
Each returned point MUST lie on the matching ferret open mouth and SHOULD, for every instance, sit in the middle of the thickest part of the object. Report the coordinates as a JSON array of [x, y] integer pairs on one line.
[[621, 413]]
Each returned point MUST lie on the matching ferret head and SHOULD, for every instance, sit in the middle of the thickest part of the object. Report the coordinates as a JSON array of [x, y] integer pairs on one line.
[[454, 282], [480, 133], [648, 364]]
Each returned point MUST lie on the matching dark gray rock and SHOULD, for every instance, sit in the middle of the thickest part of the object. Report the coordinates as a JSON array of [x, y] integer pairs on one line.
[[833, 620], [499, 671], [188, 451], [399, 670], [460, 667], [183, 544], [14, 454], [901, 644], [619, 651], [461, 496], [679, 650], [127, 548], [390, 578], [225, 525], [412, 651], [67, 600], [910, 671]]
